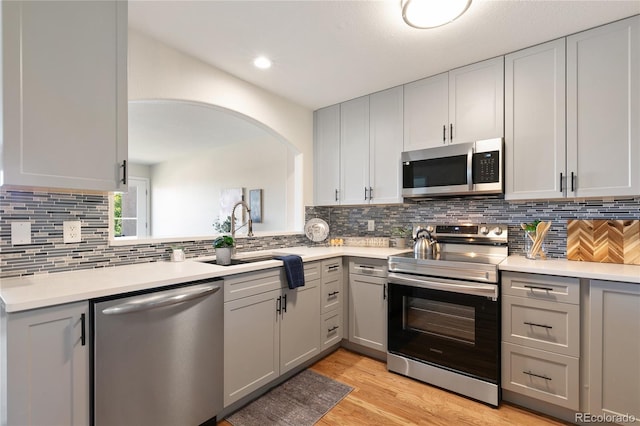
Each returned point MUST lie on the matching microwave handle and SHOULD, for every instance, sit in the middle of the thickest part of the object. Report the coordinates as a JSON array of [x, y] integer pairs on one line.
[[470, 168]]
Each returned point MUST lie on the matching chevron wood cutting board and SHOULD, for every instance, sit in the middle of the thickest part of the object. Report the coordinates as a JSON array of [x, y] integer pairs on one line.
[[607, 241]]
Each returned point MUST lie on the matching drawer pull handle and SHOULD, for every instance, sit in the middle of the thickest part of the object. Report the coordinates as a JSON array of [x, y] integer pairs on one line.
[[535, 287], [529, 373], [533, 324], [334, 328], [333, 267], [333, 293]]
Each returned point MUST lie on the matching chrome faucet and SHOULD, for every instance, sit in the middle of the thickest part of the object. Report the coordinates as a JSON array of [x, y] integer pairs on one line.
[[233, 219]]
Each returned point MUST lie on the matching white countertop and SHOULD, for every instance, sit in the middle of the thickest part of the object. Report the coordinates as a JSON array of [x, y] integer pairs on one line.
[[571, 268], [37, 291]]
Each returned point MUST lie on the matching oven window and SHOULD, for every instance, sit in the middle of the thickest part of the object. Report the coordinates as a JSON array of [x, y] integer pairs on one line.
[[441, 319]]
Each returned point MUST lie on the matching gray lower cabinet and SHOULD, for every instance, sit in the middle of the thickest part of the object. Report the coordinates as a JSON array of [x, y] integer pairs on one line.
[[614, 350], [331, 324], [541, 337], [45, 369], [268, 328], [368, 303]]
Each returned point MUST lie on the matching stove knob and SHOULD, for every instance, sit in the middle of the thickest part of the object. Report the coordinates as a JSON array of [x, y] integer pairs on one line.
[[497, 230], [484, 230]]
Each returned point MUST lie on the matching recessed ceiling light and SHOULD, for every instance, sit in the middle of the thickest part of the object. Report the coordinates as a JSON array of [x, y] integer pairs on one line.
[[262, 62], [432, 13]]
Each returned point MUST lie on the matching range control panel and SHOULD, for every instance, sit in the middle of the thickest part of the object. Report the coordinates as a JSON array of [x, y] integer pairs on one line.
[[491, 232]]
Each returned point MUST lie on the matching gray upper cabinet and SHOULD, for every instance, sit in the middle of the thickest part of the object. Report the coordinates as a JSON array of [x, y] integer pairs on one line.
[[354, 151], [476, 101], [603, 110], [535, 121], [583, 141], [357, 147], [463, 105], [426, 112], [64, 94], [327, 155]]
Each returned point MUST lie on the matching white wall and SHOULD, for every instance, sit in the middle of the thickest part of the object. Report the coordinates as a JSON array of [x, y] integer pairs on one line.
[[185, 192], [157, 71]]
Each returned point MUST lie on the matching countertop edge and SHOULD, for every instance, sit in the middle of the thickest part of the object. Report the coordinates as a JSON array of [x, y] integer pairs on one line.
[[570, 268], [45, 290]]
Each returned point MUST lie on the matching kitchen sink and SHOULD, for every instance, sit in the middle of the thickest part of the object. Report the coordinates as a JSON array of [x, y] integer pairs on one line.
[[243, 260]]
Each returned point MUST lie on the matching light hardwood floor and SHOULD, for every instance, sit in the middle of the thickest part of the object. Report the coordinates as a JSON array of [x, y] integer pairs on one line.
[[383, 398]]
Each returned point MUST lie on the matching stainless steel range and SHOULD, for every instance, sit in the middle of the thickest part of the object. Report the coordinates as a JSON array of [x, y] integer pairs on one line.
[[444, 309]]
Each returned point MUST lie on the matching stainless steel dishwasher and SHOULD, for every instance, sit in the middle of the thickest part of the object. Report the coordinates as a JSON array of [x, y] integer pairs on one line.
[[157, 357]]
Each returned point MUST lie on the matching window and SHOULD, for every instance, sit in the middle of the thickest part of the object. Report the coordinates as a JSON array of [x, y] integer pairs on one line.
[[130, 210]]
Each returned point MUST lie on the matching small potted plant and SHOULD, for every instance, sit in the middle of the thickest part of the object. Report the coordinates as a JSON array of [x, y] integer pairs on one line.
[[399, 235], [224, 249]]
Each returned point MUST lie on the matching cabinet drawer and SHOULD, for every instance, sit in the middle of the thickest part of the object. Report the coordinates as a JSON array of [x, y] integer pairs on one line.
[[331, 294], [312, 271], [331, 328], [331, 268], [252, 283], [540, 324], [371, 267], [542, 375], [541, 287]]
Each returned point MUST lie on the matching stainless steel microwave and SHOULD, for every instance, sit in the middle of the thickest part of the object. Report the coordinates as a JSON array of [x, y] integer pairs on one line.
[[473, 168]]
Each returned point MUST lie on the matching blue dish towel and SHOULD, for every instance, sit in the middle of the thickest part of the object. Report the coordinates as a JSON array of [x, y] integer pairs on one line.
[[293, 269]]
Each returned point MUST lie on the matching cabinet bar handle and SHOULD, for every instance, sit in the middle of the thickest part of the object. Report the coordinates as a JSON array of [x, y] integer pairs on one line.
[[529, 373], [334, 328], [538, 325], [384, 291], [365, 192], [370, 193], [535, 287], [560, 181], [572, 182], [284, 308], [333, 267], [279, 305], [333, 293], [451, 132], [124, 172], [444, 133], [336, 195], [83, 335]]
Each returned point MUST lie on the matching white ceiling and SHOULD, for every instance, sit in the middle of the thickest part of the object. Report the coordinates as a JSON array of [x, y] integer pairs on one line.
[[325, 52]]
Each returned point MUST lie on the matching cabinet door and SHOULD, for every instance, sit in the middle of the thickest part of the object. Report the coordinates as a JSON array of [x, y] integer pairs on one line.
[[535, 122], [385, 147], [48, 366], [65, 94], [368, 311], [354, 151], [476, 101], [299, 332], [614, 349], [327, 155], [251, 344], [426, 112], [603, 110]]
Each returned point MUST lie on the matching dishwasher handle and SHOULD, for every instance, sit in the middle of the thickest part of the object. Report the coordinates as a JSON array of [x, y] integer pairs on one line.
[[146, 302]]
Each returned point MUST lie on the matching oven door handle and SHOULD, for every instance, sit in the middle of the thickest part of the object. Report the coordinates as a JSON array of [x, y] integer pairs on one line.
[[485, 290]]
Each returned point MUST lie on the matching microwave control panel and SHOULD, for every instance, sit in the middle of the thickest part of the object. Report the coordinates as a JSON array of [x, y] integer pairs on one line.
[[486, 167]]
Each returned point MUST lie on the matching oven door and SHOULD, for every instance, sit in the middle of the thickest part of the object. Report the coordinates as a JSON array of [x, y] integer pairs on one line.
[[457, 329]]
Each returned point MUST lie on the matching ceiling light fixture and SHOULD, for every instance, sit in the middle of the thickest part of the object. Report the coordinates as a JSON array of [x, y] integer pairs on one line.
[[432, 13], [262, 62]]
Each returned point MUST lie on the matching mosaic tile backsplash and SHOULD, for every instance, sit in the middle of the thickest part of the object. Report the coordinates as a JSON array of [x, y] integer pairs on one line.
[[47, 210]]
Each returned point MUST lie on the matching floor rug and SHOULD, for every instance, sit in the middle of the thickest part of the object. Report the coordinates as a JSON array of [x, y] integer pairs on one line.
[[300, 401]]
